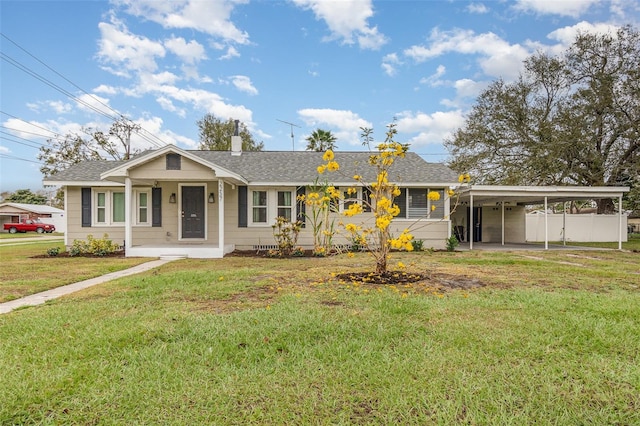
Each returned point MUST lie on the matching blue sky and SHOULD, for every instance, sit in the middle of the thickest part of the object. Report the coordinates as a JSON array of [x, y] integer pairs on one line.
[[329, 64]]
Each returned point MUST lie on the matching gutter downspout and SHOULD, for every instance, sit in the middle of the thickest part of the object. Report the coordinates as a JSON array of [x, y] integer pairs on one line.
[[128, 214], [546, 225], [472, 226]]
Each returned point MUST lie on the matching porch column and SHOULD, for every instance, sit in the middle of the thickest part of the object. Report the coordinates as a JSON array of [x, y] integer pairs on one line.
[[471, 224], [128, 213], [546, 225], [447, 208], [620, 222], [221, 215]]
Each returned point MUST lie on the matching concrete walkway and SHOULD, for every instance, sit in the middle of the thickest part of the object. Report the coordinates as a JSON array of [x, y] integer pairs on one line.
[[40, 298]]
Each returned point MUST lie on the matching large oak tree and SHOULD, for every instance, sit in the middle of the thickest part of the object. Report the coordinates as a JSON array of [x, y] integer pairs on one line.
[[568, 119]]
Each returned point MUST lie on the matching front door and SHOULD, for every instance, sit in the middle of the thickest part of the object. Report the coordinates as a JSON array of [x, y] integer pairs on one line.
[[192, 212]]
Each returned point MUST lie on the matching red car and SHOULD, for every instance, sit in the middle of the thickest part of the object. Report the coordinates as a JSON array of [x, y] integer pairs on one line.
[[29, 226]]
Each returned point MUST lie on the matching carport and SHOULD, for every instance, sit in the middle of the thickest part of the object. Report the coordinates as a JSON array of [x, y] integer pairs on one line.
[[500, 196]]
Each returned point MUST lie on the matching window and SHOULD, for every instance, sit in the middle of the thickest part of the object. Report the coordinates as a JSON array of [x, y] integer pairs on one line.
[[101, 207], [267, 204], [109, 207], [117, 214], [142, 210], [414, 204], [259, 206], [284, 204]]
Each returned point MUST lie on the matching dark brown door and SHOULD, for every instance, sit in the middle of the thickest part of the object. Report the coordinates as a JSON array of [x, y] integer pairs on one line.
[[192, 212]]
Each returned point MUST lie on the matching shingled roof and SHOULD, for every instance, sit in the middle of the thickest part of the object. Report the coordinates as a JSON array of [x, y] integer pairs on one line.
[[287, 167]]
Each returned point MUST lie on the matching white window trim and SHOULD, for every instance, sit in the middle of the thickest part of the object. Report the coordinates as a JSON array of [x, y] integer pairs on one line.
[[136, 209], [272, 205], [429, 203], [108, 205]]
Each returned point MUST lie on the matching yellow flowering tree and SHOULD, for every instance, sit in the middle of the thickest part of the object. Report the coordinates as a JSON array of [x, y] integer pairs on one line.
[[376, 238]]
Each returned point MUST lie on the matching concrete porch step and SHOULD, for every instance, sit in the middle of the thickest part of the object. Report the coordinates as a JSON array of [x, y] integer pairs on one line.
[[173, 256]]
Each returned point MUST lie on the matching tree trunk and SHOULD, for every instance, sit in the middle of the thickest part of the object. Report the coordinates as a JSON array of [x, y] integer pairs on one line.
[[605, 206]]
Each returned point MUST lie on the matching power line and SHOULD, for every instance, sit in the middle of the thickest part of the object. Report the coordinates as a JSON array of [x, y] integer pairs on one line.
[[153, 139], [12, 157], [18, 142]]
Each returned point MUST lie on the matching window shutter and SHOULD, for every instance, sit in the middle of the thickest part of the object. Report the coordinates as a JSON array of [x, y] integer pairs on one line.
[[401, 201], [156, 207], [242, 206], [86, 207], [301, 206]]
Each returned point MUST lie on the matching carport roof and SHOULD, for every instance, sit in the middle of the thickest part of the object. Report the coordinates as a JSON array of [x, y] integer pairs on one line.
[[527, 195]]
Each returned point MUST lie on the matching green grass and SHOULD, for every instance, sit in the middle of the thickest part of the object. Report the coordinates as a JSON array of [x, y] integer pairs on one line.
[[551, 338], [632, 243], [7, 236], [21, 274]]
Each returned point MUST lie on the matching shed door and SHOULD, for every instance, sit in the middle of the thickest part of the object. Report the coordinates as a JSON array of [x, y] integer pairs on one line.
[[193, 212]]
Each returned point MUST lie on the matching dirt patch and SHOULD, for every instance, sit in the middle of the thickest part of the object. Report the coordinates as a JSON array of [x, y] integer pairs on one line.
[[435, 280], [258, 297], [65, 255]]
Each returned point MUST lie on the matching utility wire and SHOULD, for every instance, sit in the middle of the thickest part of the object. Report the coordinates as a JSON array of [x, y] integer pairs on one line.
[[154, 140], [12, 157]]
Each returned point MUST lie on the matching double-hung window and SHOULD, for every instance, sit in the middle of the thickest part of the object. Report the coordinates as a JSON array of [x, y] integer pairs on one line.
[[108, 207], [284, 206], [415, 204], [143, 206], [267, 204], [259, 207]]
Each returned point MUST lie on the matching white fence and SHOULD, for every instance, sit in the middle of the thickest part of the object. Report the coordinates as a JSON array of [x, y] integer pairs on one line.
[[578, 227]]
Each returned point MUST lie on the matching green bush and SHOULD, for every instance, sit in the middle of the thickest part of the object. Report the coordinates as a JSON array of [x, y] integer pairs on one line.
[[452, 242], [418, 245], [53, 251], [94, 246]]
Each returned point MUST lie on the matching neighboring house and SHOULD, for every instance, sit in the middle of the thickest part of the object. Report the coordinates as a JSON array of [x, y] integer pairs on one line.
[[205, 204], [15, 212]]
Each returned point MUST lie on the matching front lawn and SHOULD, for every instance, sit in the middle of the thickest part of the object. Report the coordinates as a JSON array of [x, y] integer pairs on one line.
[[528, 337], [23, 275]]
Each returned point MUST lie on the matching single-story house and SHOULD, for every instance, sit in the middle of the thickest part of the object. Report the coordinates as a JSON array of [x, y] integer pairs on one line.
[[15, 212], [172, 201], [205, 204]]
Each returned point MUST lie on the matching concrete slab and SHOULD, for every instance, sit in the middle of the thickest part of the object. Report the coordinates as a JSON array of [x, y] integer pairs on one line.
[[40, 298]]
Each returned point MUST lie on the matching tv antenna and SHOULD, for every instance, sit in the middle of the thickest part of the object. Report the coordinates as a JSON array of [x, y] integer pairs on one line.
[[293, 145]]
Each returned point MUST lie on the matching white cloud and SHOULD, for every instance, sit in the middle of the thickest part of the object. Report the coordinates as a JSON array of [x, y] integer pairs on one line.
[[153, 131], [567, 35], [209, 17], [434, 79], [106, 89], [119, 48], [190, 52], [573, 8], [389, 63], [347, 20], [430, 128], [243, 83], [4, 150], [232, 52], [497, 57], [94, 104], [344, 124], [478, 8]]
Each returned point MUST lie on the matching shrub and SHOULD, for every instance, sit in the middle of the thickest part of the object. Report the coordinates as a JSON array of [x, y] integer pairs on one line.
[[97, 247], [286, 233], [452, 242], [418, 245], [53, 251]]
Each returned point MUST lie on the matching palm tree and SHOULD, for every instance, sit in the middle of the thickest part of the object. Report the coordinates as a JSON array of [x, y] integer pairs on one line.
[[321, 140]]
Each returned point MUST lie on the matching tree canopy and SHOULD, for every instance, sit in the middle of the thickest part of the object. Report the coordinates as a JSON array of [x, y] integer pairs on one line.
[[26, 196], [215, 135], [59, 154], [321, 140], [568, 119]]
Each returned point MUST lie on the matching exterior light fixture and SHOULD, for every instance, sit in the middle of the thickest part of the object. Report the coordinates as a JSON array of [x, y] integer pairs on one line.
[[172, 198], [212, 198]]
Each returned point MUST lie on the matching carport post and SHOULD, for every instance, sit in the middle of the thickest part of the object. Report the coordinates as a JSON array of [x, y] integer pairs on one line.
[[471, 224], [502, 204], [620, 222], [546, 225]]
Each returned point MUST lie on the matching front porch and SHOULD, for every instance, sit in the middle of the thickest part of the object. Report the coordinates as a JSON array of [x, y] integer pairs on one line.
[[194, 250]]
